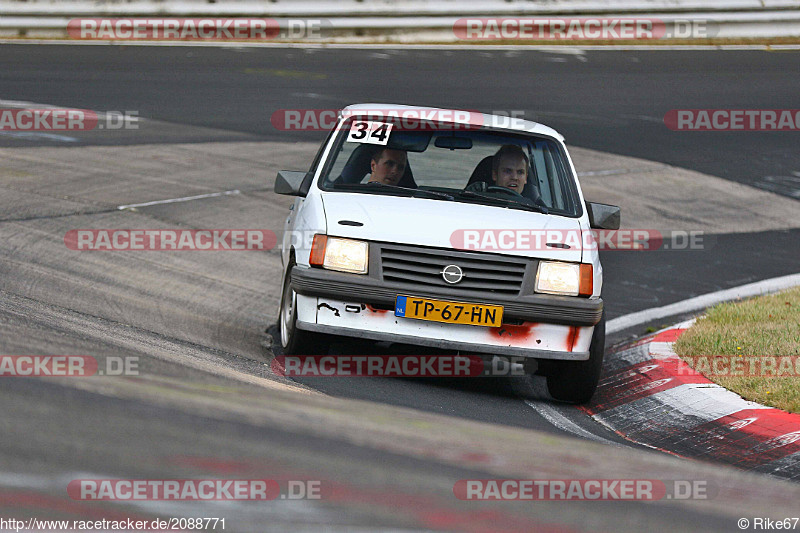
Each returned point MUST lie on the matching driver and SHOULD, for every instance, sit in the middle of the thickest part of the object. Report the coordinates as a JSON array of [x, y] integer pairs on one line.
[[387, 166], [510, 168]]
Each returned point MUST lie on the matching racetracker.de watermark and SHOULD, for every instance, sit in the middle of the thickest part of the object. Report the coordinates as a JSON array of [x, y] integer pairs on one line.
[[54, 119], [402, 119], [67, 366], [733, 119], [581, 29], [197, 29], [395, 366], [173, 489], [194, 489], [742, 365], [169, 239], [533, 240], [582, 489]]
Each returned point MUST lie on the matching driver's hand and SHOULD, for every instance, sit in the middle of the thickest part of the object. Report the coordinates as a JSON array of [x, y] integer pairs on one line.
[[477, 186]]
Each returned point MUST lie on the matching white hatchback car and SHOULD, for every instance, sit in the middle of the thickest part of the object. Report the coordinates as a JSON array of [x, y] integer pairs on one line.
[[450, 229]]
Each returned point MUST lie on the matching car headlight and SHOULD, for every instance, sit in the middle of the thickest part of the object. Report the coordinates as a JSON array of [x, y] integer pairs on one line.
[[344, 255], [568, 279]]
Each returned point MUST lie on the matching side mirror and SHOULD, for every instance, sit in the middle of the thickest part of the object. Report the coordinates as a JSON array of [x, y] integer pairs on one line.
[[292, 182], [603, 216]]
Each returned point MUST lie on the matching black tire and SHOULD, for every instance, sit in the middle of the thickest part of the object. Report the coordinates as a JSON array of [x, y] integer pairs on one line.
[[576, 381], [296, 341]]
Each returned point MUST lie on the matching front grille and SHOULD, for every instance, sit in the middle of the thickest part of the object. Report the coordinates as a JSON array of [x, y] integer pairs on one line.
[[423, 267]]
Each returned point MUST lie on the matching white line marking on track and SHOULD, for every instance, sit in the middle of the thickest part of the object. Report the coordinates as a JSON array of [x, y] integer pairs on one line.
[[612, 171], [183, 199], [35, 135], [316, 96], [22, 104], [701, 302], [410, 46], [563, 423]]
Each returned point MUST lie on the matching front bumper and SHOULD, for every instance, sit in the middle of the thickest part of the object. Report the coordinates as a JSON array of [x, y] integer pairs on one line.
[[326, 303], [566, 310]]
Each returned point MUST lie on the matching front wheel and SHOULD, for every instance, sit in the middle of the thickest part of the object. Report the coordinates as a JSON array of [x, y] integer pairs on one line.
[[576, 381], [295, 341]]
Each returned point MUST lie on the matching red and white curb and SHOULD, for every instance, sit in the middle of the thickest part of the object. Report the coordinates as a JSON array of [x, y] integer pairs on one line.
[[648, 395]]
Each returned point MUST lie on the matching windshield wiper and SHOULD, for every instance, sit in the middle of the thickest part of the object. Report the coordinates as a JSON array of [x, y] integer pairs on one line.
[[505, 201], [377, 186]]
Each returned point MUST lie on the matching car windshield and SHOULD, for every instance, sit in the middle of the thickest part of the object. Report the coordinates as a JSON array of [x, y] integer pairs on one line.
[[453, 165]]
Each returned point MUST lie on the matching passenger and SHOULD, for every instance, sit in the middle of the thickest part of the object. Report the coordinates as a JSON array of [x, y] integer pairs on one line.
[[510, 168], [387, 166]]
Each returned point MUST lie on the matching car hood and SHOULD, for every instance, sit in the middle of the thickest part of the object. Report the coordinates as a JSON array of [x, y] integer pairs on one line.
[[446, 224]]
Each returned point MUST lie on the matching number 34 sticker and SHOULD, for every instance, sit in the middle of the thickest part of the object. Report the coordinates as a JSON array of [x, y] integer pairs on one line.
[[363, 131]]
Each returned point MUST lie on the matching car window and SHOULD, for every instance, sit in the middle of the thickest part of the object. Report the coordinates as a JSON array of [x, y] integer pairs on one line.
[[450, 161]]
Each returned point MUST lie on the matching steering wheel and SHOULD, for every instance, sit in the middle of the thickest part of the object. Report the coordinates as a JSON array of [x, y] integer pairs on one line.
[[504, 190]]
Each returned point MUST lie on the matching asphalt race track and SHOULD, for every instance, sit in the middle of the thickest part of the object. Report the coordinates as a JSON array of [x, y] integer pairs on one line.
[[387, 452]]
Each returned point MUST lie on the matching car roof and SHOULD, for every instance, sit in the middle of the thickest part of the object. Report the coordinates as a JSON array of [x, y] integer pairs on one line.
[[475, 118]]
